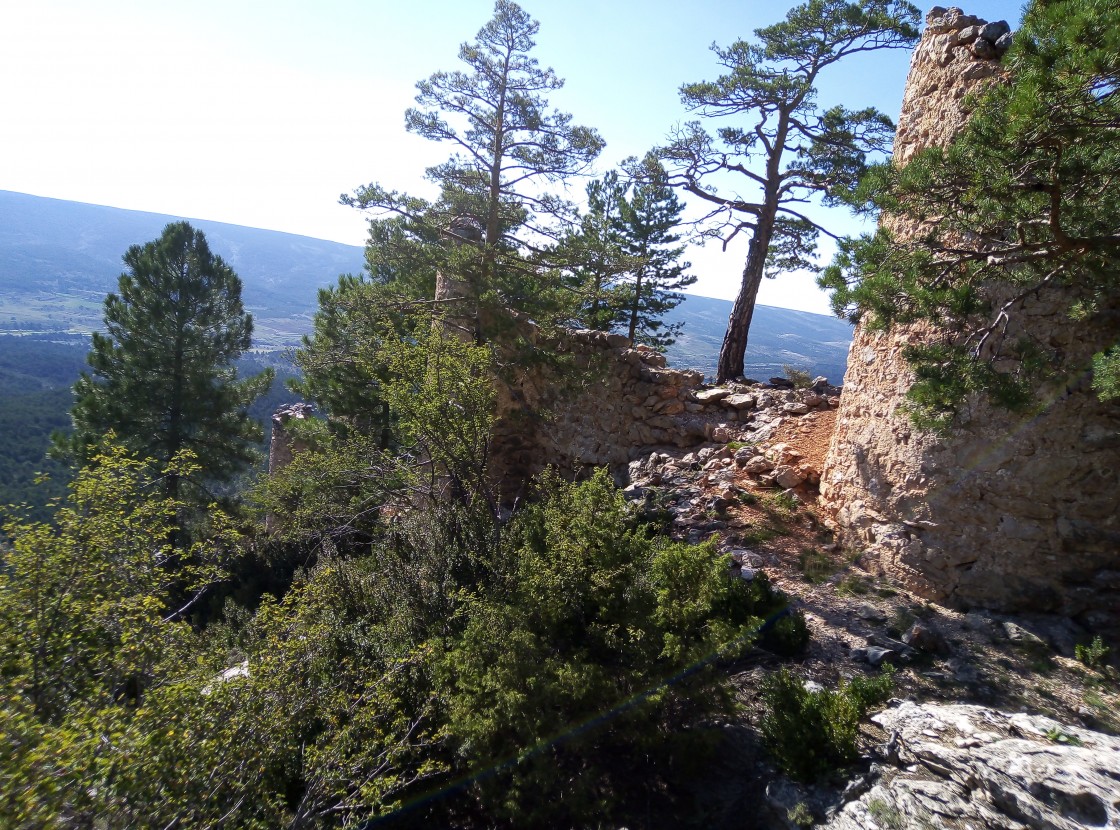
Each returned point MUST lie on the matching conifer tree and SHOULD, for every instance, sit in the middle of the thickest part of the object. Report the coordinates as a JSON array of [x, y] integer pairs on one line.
[[508, 148], [1022, 206], [623, 258], [786, 149], [647, 222], [162, 375]]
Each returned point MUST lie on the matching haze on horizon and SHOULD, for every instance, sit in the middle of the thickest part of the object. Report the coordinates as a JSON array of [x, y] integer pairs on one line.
[[261, 113]]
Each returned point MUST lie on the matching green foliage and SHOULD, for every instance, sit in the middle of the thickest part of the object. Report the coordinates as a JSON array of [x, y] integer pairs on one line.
[[1106, 374], [625, 262], [592, 648], [494, 200], [163, 376], [812, 733], [1092, 655], [1022, 205], [787, 636], [800, 378], [801, 815], [805, 152], [1059, 737], [91, 629]]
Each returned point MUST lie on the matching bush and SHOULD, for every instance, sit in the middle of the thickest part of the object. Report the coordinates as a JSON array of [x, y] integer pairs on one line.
[[1092, 655], [813, 733], [595, 650], [787, 635]]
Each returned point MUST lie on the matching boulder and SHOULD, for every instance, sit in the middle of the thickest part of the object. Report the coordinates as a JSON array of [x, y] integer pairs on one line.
[[739, 401], [956, 765]]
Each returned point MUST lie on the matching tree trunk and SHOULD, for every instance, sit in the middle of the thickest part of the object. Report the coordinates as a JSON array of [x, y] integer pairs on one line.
[[734, 349], [634, 309]]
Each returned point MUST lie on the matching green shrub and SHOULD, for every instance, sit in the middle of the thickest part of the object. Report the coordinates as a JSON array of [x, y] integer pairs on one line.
[[809, 733], [787, 636], [1092, 655], [800, 378]]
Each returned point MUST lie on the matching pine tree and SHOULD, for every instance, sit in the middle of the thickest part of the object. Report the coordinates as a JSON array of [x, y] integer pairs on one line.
[[508, 148], [162, 375], [802, 151], [646, 225], [623, 260], [1023, 205]]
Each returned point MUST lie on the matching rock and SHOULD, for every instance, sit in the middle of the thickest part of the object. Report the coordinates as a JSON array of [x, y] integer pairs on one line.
[[721, 435], [924, 637], [634, 492], [871, 614], [956, 765], [719, 504], [798, 408], [1020, 636], [712, 395], [968, 34], [994, 31], [781, 383], [787, 476], [739, 401], [757, 464], [1004, 42], [875, 655], [984, 49]]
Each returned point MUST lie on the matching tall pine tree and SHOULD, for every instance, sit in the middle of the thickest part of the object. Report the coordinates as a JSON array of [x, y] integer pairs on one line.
[[623, 259], [162, 375], [783, 149], [646, 225]]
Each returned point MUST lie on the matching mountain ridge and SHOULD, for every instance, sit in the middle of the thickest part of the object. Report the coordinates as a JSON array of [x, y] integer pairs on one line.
[[59, 258]]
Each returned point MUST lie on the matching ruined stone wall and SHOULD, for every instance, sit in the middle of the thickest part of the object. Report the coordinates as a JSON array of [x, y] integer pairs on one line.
[[1010, 512], [607, 404]]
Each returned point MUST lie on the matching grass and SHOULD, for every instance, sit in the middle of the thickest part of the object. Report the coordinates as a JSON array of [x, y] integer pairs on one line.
[[885, 814], [815, 565], [851, 586]]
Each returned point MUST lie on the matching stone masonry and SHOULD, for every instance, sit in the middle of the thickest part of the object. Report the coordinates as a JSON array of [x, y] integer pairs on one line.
[[1011, 512]]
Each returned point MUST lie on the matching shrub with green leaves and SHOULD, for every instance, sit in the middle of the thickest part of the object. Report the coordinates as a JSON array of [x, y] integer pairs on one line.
[[1092, 655], [595, 647], [813, 733]]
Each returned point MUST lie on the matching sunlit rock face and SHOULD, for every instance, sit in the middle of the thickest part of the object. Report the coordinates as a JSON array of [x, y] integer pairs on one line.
[[1011, 512]]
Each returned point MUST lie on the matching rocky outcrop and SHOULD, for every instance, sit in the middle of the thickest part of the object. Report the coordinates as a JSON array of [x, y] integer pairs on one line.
[[283, 445], [967, 766], [1011, 512]]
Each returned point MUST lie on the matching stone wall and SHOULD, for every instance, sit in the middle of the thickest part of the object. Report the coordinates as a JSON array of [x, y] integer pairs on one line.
[[1010, 512], [609, 403]]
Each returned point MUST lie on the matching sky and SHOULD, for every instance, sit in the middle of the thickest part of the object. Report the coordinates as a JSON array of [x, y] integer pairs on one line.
[[262, 112]]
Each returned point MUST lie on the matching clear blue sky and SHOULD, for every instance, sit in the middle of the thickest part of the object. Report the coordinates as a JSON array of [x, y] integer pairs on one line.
[[261, 112]]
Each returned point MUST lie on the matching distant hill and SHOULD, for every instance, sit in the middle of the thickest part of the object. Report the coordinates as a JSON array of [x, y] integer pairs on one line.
[[779, 337], [58, 259]]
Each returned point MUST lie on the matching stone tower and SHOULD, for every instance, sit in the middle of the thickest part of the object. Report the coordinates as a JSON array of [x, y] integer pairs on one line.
[[1011, 512]]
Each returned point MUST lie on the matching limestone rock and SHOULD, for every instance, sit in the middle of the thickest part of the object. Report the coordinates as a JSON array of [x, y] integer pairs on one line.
[[954, 765], [712, 395], [739, 401]]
